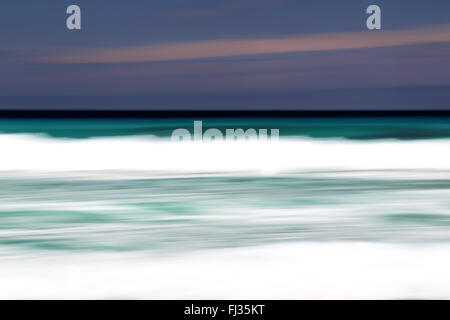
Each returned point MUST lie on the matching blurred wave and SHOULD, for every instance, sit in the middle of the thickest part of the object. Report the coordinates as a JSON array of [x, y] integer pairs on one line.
[[179, 214], [150, 194]]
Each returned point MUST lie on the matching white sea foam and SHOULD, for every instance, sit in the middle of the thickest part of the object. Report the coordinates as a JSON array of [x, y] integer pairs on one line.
[[340, 270], [150, 154]]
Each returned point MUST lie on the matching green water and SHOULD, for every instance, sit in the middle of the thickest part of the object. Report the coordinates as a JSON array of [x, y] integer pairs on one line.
[[350, 128]]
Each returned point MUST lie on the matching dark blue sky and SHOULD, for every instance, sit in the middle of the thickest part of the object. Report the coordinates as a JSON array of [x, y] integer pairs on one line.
[[225, 54]]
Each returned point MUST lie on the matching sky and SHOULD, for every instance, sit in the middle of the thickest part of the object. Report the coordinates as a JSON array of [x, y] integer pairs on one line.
[[225, 54]]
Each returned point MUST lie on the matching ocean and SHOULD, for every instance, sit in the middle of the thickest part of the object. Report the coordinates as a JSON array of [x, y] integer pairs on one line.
[[339, 207]]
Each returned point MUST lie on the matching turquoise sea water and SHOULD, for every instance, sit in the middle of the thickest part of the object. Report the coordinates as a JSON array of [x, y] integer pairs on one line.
[[351, 128], [77, 188]]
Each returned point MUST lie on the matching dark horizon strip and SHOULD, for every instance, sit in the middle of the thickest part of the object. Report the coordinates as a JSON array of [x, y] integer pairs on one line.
[[106, 114]]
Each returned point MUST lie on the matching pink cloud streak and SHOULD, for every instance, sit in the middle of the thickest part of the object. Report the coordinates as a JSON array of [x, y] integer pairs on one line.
[[228, 48]]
